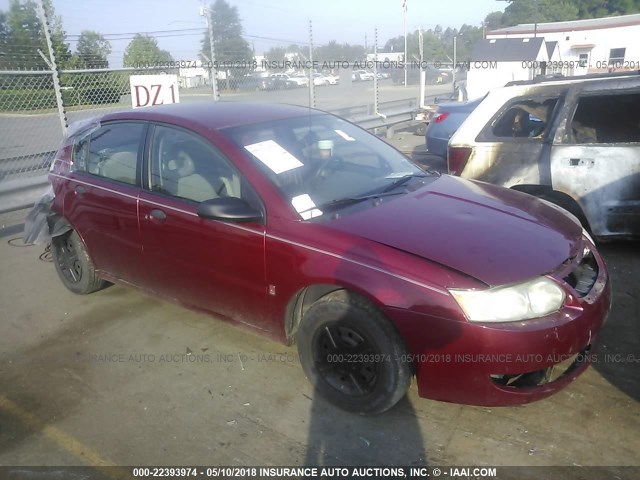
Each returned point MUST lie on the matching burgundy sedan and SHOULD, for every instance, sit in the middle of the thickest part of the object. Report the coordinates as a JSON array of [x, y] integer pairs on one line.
[[306, 228]]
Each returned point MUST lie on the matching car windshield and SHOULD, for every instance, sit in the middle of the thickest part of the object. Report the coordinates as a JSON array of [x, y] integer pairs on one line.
[[321, 163]]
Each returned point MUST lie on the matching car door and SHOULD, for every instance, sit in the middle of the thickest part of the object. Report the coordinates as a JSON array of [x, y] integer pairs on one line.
[[511, 144], [101, 199], [595, 159], [206, 264]]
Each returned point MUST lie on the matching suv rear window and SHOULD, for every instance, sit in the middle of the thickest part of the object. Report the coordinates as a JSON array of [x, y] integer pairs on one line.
[[606, 119]]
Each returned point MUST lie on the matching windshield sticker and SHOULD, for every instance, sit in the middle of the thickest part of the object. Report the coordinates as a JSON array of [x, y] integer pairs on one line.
[[274, 156], [345, 136], [305, 206]]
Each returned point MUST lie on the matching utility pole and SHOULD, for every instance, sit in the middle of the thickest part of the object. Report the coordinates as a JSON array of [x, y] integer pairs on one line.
[[206, 13]]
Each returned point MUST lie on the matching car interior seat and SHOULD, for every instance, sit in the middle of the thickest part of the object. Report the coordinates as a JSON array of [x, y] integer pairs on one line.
[[188, 183], [120, 166]]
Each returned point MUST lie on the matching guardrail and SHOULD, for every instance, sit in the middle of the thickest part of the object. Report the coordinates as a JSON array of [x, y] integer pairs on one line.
[[21, 193]]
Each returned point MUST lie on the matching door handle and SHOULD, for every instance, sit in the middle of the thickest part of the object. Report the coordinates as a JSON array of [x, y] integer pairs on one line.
[[581, 162], [155, 214], [79, 190]]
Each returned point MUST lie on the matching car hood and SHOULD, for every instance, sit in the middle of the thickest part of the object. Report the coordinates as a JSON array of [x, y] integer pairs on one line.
[[496, 235]]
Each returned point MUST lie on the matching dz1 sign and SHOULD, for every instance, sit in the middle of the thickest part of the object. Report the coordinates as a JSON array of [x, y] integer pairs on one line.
[[147, 90]]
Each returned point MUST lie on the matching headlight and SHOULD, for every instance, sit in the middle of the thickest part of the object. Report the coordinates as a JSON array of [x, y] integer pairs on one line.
[[532, 299]]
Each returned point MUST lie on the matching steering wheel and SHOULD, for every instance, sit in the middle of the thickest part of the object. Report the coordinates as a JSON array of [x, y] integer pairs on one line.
[[324, 167]]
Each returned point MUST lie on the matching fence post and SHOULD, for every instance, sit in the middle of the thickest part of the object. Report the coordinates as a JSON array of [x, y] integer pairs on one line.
[[212, 70], [312, 92], [54, 68], [375, 70]]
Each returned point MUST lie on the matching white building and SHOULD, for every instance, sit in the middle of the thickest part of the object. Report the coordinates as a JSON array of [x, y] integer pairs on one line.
[[587, 46], [497, 61], [193, 76]]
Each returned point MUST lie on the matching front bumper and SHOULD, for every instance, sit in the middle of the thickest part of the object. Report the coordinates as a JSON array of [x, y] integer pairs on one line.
[[510, 363]]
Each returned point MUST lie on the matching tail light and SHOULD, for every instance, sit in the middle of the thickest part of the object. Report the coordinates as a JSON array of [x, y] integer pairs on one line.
[[457, 159], [441, 117]]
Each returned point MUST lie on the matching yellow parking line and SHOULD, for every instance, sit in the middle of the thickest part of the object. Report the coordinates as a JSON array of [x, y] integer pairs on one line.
[[64, 440]]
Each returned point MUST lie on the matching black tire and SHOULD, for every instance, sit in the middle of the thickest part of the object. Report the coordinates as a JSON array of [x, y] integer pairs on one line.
[[421, 129], [73, 264], [569, 205], [352, 355]]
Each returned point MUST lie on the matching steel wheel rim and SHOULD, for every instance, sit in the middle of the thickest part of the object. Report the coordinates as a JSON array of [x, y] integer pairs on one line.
[[345, 359], [69, 262]]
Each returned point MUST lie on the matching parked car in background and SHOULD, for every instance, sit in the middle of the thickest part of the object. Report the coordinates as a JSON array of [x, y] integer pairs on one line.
[[573, 141], [291, 80], [444, 123], [308, 229], [362, 75], [253, 81], [320, 79], [433, 75]]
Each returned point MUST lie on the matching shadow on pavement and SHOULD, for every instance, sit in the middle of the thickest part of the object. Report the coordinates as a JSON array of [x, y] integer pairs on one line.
[[618, 358]]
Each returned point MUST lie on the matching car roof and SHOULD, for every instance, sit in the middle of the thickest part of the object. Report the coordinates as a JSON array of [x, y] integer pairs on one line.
[[632, 76], [213, 115]]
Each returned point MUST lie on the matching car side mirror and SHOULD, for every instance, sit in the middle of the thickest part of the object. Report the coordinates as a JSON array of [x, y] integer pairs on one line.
[[228, 209]]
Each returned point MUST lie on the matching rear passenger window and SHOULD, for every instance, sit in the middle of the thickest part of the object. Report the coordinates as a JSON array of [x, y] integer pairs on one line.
[[110, 152], [606, 119], [524, 119]]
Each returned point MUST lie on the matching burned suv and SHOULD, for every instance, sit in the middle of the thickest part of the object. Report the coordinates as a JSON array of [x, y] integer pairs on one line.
[[573, 141]]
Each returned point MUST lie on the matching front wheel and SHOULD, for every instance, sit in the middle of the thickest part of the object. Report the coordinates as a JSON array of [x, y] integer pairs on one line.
[[353, 355], [73, 264]]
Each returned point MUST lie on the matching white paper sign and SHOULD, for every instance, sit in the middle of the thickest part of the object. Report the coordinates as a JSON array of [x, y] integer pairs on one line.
[[147, 90], [274, 156], [305, 206]]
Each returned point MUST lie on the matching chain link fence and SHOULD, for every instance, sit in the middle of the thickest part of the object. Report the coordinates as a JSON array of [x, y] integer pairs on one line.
[[30, 127]]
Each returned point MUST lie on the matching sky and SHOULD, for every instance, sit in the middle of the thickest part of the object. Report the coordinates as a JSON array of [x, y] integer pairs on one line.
[[266, 23]]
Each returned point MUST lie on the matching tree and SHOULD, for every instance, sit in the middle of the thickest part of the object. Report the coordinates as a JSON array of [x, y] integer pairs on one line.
[[93, 49], [4, 39], [598, 8], [276, 54], [144, 50], [22, 35], [226, 31], [527, 11], [334, 51], [58, 35], [493, 21]]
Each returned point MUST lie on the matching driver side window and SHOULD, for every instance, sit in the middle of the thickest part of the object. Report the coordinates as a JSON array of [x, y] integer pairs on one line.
[[186, 166]]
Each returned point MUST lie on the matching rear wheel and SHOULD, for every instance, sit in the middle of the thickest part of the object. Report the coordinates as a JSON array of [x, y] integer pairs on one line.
[[421, 129], [568, 204], [353, 355], [73, 264]]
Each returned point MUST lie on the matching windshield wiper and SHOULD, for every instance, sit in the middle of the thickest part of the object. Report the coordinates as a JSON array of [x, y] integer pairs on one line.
[[343, 202], [402, 180]]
